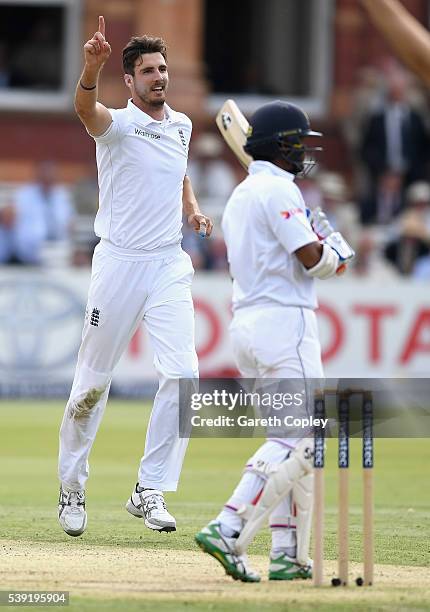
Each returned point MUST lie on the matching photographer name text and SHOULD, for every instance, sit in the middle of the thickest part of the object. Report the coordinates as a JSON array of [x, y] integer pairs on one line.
[[245, 421]]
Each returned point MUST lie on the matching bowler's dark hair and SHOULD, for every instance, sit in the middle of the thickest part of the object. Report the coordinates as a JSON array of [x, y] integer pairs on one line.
[[137, 46]]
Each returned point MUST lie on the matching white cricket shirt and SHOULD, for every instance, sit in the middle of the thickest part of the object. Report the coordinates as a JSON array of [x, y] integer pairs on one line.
[[264, 222], [141, 167]]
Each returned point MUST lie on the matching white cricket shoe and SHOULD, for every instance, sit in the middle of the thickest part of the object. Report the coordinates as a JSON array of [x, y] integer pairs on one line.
[[71, 512], [149, 504]]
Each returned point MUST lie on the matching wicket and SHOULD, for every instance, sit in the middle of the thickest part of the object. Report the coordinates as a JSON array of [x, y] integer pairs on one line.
[[343, 406]]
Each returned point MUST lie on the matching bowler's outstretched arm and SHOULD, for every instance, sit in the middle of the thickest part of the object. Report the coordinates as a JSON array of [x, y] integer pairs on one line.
[[94, 115]]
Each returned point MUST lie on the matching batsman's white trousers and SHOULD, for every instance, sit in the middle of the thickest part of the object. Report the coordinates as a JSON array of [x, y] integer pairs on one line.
[[125, 289], [275, 342]]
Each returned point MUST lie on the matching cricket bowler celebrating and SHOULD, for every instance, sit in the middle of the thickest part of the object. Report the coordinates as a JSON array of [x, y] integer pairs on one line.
[[275, 252], [139, 272]]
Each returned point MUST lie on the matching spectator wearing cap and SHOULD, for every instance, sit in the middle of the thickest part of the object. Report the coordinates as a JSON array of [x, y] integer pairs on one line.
[[409, 248]]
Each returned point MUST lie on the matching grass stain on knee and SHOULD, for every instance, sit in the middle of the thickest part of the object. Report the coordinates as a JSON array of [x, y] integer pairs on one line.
[[82, 408]]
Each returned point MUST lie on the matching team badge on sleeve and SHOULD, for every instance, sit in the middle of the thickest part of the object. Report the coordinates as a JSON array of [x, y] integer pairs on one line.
[[183, 139], [289, 213]]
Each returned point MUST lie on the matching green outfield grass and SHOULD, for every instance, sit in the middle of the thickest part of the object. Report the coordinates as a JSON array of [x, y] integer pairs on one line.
[[28, 496]]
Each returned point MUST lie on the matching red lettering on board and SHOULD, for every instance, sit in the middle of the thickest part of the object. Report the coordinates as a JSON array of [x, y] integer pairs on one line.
[[375, 315], [215, 328], [337, 332], [416, 343]]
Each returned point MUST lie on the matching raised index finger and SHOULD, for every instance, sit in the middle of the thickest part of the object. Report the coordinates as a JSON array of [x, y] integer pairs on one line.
[[102, 25]]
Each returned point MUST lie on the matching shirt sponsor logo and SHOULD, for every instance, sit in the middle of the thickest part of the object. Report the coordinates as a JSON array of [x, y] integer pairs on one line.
[[289, 213], [139, 132]]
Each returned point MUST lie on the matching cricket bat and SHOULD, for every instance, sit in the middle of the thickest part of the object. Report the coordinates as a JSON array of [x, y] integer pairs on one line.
[[234, 127]]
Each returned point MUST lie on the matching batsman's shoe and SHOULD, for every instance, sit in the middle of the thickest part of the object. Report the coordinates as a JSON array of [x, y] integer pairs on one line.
[[71, 512], [284, 567], [212, 541], [149, 504]]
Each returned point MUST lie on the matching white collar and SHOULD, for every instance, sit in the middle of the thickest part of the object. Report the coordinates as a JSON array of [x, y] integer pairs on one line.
[[171, 116], [265, 167]]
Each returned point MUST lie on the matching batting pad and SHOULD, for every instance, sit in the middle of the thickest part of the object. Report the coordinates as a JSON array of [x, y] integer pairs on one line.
[[278, 486]]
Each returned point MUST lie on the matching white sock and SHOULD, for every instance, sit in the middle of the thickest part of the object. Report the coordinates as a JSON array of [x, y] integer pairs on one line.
[[227, 531], [284, 541]]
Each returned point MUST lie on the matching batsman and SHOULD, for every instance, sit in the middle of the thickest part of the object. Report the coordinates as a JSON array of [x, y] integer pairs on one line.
[[276, 250]]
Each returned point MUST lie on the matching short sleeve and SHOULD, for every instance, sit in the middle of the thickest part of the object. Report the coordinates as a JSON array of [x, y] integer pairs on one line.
[[286, 215], [115, 129]]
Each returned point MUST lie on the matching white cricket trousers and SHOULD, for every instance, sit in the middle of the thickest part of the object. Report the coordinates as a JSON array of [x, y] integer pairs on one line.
[[272, 342], [276, 342], [125, 289]]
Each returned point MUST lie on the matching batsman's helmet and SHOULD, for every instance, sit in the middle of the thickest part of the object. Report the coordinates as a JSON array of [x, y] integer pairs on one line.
[[278, 129]]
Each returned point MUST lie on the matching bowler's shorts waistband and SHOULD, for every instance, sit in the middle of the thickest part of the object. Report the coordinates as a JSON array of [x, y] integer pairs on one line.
[[138, 254]]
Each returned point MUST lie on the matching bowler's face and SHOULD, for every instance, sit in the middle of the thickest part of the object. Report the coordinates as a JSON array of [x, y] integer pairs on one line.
[[151, 80]]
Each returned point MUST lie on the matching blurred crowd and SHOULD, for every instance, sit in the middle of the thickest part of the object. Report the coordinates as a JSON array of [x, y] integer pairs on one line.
[[388, 134], [382, 207]]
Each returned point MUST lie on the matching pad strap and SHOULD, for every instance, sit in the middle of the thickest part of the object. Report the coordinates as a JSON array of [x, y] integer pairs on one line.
[[262, 468]]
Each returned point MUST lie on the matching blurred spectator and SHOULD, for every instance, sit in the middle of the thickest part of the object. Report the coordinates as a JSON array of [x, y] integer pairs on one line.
[[41, 213], [85, 195], [195, 246], [409, 248], [213, 181], [385, 201], [208, 254], [369, 260], [367, 97], [335, 202], [394, 148], [217, 253], [311, 191], [212, 177], [421, 269]]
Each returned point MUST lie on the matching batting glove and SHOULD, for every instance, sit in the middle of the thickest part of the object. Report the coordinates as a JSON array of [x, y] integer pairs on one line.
[[320, 223]]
